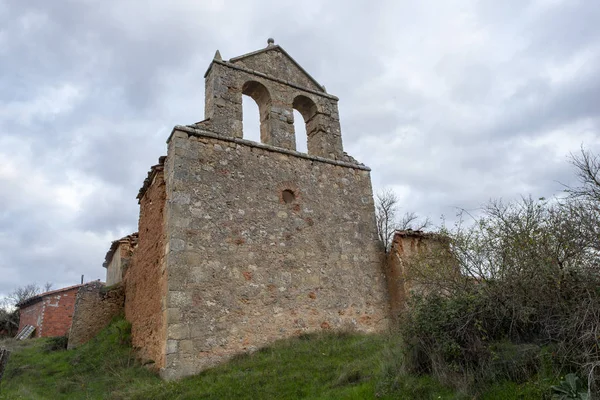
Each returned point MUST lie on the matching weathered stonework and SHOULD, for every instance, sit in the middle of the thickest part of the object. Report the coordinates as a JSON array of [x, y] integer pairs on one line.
[[242, 243], [416, 261], [96, 305], [278, 85]]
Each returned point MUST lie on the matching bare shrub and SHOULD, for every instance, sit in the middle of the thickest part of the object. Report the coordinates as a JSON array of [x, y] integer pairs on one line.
[[528, 286], [9, 315], [389, 220]]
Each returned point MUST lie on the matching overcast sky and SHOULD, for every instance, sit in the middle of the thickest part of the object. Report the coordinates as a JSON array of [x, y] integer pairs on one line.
[[450, 103]]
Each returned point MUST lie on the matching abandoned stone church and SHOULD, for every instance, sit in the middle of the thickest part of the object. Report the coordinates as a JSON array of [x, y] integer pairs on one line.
[[241, 243]]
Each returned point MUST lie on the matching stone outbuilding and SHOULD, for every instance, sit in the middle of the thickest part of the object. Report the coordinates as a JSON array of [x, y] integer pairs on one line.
[[50, 313], [242, 243]]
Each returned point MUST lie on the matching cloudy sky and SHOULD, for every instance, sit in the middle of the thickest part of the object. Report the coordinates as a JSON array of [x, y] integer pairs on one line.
[[450, 103]]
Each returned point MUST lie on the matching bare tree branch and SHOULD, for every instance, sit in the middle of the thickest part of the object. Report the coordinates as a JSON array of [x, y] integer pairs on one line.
[[587, 165], [9, 314], [388, 220]]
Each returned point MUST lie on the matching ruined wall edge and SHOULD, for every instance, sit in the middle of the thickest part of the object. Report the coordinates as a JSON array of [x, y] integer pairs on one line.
[[145, 279]]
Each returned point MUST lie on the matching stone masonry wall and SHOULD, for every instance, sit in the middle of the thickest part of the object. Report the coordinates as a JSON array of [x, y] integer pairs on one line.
[[95, 306], [262, 245], [416, 260], [145, 279], [277, 64]]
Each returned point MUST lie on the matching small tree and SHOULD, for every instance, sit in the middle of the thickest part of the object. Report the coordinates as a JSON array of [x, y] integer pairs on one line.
[[587, 166], [23, 293], [389, 221], [584, 200], [9, 321], [9, 314]]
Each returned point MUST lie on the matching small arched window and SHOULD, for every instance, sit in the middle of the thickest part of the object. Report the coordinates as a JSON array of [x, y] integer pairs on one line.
[[260, 94], [307, 109], [300, 133], [250, 119]]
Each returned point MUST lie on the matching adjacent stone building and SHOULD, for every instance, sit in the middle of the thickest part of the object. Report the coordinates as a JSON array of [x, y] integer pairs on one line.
[[50, 313], [417, 263], [118, 258], [241, 243]]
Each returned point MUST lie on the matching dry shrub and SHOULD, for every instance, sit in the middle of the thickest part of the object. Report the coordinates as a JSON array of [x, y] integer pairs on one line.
[[527, 299]]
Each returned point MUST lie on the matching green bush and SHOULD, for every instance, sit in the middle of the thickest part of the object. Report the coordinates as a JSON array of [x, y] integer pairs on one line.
[[56, 343], [528, 284], [570, 388]]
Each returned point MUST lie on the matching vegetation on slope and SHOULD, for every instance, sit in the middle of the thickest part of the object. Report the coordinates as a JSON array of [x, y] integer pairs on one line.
[[318, 366], [524, 298], [103, 368]]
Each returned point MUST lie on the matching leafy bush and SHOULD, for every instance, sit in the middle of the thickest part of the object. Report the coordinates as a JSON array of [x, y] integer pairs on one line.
[[56, 343], [529, 281], [570, 388]]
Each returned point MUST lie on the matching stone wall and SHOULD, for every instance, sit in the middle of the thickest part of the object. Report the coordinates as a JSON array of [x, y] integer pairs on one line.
[[264, 243], [50, 313], [145, 279], [95, 306], [417, 260]]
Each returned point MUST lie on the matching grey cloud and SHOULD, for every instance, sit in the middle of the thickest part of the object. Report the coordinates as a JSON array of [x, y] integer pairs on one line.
[[539, 106], [564, 29]]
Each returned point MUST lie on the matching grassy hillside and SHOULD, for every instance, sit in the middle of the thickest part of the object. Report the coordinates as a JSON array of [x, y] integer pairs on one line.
[[324, 366]]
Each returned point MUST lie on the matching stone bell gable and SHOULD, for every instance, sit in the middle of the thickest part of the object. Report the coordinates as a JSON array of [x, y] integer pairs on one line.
[[242, 243], [276, 63], [279, 85]]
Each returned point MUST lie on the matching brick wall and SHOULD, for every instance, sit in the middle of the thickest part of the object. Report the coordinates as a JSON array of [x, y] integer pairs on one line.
[[31, 315], [50, 313]]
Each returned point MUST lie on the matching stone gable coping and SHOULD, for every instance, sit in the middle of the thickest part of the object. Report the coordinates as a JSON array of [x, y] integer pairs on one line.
[[265, 76], [271, 47], [409, 233], [413, 233], [202, 133]]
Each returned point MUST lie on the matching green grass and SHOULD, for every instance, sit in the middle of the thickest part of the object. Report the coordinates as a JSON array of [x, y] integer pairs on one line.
[[102, 368], [319, 366]]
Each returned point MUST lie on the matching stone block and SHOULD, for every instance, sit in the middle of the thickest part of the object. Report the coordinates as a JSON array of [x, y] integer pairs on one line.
[[172, 346], [178, 331]]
